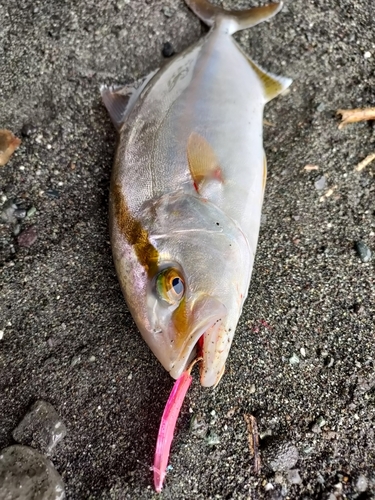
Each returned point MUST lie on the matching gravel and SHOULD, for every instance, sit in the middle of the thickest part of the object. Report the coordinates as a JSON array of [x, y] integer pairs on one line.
[[60, 298]]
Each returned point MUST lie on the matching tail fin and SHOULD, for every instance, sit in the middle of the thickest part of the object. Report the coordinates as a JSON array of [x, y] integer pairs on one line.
[[239, 19]]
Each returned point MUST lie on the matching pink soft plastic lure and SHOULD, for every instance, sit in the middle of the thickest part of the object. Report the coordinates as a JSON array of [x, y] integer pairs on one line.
[[168, 424]]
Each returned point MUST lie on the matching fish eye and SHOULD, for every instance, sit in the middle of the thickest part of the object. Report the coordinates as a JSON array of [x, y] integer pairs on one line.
[[170, 286]]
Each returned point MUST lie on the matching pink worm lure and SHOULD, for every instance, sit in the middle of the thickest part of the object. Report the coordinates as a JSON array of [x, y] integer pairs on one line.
[[168, 424]]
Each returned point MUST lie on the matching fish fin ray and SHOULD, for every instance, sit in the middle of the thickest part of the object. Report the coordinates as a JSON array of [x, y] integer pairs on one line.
[[203, 163], [120, 101], [237, 19]]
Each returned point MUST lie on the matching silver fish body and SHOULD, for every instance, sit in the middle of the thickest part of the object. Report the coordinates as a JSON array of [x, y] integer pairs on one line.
[[187, 190]]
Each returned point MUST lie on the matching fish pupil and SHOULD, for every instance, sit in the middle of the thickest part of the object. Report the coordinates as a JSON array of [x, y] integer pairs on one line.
[[177, 285]]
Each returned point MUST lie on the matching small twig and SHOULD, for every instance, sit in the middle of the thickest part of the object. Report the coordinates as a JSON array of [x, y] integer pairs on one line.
[[253, 439], [269, 124], [309, 168], [355, 115], [361, 165], [328, 193]]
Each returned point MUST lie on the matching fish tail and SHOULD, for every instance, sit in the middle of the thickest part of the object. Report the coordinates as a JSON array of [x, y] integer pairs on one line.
[[237, 19]]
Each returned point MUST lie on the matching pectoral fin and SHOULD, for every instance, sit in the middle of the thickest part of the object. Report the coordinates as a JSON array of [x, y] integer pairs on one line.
[[203, 163]]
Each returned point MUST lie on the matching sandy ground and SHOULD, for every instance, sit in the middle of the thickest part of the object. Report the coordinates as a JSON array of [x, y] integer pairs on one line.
[[67, 335]]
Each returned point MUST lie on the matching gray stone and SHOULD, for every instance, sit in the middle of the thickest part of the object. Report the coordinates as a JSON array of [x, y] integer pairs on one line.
[[320, 183], [41, 428], [26, 475], [363, 251], [282, 457], [362, 483]]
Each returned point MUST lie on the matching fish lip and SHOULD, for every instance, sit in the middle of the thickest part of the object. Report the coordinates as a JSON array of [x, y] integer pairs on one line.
[[206, 312], [214, 353], [189, 349]]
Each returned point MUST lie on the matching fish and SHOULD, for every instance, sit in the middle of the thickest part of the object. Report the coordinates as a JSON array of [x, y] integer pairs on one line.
[[187, 189]]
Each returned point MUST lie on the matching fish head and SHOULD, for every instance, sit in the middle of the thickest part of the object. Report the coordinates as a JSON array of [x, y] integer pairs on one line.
[[189, 302]]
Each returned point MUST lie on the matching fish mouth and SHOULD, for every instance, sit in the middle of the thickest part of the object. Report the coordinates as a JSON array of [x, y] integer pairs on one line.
[[206, 341]]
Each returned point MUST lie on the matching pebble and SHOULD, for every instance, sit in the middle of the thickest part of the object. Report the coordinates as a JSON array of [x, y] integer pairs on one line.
[[53, 193], [40, 428], [362, 483], [198, 426], [363, 251], [28, 237], [282, 457], [294, 359], [26, 475], [212, 439], [321, 107], [294, 477], [20, 213], [31, 212], [8, 212], [27, 130], [167, 11], [75, 360], [320, 183], [167, 49]]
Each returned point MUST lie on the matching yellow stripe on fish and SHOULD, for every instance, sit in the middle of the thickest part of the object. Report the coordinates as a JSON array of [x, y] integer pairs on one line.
[[134, 233]]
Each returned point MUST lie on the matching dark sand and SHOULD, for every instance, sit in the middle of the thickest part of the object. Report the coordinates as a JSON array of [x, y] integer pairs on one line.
[[310, 295]]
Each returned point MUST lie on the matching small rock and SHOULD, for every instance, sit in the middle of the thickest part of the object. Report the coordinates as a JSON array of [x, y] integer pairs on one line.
[[53, 193], [27, 237], [294, 477], [75, 360], [26, 475], [27, 130], [358, 308], [198, 426], [362, 483], [294, 359], [317, 427], [167, 49], [212, 439], [31, 212], [320, 183], [363, 251], [321, 107], [167, 11], [20, 213], [8, 212], [283, 457], [41, 428]]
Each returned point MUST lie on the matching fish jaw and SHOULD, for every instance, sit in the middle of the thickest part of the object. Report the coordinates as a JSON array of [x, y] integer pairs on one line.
[[208, 315], [215, 349]]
